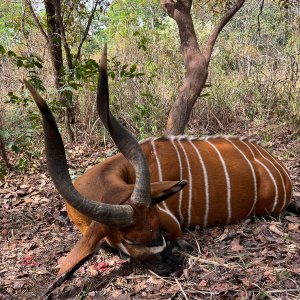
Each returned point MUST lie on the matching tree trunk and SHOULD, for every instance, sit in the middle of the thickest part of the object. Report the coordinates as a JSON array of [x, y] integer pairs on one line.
[[195, 65], [55, 46], [4, 156], [2, 144], [54, 42], [196, 62]]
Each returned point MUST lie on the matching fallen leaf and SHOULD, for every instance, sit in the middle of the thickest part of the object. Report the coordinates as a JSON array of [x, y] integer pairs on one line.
[[93, 270], [18, 284], [296, 270], [275, 229], [293, 219], [293, 227], [202, 283], [28, 200], [235, 245]]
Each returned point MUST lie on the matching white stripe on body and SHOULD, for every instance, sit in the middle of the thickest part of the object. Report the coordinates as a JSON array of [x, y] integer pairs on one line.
[[227, 180], [284, 170], [180, 168], [270, 174], [190, 183], [160, 176], [206, 186], [283, 185], [253, 176]]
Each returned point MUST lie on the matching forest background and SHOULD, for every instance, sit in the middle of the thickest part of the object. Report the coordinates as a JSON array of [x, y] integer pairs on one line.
[[252, 89], [253, 79]]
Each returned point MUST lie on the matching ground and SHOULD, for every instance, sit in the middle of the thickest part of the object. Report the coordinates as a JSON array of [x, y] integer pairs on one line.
[[258, 258]]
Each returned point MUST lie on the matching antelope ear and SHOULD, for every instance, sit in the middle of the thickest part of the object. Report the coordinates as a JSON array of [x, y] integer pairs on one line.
[[161, 191]]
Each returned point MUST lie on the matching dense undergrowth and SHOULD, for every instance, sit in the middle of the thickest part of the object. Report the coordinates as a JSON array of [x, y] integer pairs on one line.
[[253, 79]]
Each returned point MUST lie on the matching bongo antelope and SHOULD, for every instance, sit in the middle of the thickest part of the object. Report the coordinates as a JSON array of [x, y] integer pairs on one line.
[[144, 196]]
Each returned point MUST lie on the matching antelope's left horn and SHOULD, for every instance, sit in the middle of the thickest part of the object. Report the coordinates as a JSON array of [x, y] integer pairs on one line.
[[126, 143], [112, 215]]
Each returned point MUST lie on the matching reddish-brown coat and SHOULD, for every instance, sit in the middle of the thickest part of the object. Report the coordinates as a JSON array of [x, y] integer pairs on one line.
[[108, 181]]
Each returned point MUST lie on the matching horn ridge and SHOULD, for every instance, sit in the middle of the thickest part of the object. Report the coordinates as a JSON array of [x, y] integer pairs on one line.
[[112, 215], [125, 142]]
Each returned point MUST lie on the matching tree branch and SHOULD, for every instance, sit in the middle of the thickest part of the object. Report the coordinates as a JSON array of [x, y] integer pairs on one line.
[[36, 20], [261, 6], [86, 31], [215, 33], [58, 14]]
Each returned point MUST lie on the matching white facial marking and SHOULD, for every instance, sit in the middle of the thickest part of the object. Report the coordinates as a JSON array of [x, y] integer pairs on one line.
[[152, 250], [158, 249]]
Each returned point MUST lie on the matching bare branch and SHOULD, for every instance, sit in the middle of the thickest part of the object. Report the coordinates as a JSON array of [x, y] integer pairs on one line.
[[86, 31], [36, 20], [215, 33], [56, 4], [261, 6]]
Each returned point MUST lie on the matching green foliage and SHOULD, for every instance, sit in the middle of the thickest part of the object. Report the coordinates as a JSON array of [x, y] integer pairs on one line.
[[146, 116], [253, 73], [127, 17], [10, 19], [19, 134], [23, 121], [119, 71], [29, 63]]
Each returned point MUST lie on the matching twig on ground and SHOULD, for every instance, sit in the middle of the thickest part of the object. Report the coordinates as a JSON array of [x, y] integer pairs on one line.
[[182, 290], [211, 262]]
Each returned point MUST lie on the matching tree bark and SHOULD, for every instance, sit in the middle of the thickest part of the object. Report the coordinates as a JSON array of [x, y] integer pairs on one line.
[[55, 37], [4, 156], [196, 62], [195, 65], [54, 42], [2, 144]]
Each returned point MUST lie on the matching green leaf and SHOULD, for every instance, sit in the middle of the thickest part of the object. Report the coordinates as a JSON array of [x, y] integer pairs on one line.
[[2, 50], [14, 148], [205, 94], [39, 65], [112, 75], [132, 68], [19, 63], [11, 53]]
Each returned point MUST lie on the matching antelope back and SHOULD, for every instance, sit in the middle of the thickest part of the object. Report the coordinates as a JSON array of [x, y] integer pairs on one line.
[[228, 179]]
